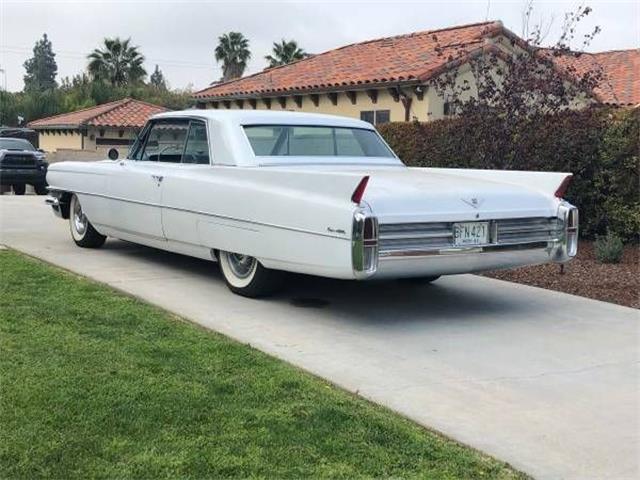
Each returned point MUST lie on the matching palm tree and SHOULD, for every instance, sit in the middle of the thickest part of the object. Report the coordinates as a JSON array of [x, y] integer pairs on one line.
[[233, 52], [118, 63], [285, 52]]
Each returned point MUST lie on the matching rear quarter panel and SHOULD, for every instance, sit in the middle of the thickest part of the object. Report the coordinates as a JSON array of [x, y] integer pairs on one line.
[[290, 220]]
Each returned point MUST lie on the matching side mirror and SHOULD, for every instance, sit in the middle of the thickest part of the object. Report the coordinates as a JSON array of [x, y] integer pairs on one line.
[[41, 150], [113, 154]]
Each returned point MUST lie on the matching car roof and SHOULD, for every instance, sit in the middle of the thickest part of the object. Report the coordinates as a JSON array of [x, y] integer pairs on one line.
[[263, 117]]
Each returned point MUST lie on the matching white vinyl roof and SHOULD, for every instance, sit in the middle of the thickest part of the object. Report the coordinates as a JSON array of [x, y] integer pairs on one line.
[[253, 117], [229, 144]]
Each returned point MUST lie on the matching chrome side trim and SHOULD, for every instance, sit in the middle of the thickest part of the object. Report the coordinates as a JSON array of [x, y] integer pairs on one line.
[[213, 215], [102, 226]]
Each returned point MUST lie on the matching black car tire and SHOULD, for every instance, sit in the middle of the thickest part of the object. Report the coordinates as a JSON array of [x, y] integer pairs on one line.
[[40, 188], [19, 188], [245, 275], [82, 231]]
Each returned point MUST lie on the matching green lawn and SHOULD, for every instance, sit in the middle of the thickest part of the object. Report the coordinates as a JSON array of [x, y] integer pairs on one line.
[[94, 383]]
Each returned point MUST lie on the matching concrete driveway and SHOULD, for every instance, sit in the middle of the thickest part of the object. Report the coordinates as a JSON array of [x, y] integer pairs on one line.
[[545, 381]]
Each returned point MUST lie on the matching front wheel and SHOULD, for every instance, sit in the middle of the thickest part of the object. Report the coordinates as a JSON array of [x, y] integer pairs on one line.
[[40, 188], [19, 188], [82, 231], [245, 276]]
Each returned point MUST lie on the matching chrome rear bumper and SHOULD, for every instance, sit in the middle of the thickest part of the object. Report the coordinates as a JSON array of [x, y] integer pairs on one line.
[[466, 260], [427, 249]]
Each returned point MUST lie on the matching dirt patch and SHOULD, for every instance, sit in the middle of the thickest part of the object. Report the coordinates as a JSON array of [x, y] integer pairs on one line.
[[585, 276]]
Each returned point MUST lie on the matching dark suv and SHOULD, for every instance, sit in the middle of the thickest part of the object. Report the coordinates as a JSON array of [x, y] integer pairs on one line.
[[22, 164]]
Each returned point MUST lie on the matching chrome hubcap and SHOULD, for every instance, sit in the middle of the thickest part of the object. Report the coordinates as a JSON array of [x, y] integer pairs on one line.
[[79, 218], [241, 265]]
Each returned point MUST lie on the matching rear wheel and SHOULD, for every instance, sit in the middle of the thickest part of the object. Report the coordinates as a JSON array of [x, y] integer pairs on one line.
[[245, 276], [40, 188], [19, 188], [82, 231]]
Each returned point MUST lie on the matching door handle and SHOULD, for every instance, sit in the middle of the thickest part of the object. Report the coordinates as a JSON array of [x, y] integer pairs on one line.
[[157, 178]]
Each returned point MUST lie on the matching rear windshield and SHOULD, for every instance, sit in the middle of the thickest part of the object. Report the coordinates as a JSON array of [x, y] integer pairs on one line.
[[15, 144], [292, 140]]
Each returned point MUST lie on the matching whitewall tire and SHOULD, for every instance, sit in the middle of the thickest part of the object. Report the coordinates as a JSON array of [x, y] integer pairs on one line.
[[245, 275], [82, 231]]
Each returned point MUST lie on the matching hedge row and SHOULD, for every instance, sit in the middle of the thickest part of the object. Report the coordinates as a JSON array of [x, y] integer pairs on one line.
[[599, 146]]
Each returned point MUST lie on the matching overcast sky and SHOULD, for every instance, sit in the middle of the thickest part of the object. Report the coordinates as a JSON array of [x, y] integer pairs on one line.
[[180, 36]]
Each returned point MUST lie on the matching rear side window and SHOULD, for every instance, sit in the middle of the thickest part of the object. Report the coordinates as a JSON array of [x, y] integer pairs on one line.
[[197, 148], [292, 140]]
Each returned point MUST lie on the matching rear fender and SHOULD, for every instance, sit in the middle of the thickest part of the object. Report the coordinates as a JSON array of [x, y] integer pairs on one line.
[[548, 183]]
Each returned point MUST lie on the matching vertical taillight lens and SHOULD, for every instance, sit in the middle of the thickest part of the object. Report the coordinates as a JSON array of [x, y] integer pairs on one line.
[[571, 224], [364, 244]]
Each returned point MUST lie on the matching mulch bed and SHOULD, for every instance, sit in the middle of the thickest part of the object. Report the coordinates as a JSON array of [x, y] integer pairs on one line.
[[585, 276]]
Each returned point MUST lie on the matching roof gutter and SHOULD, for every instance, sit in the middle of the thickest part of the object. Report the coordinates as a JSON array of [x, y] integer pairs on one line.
[[310, 91]]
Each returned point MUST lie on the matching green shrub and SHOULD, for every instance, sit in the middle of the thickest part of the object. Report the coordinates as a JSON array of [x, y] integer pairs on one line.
[[599, 146], [609, 248]]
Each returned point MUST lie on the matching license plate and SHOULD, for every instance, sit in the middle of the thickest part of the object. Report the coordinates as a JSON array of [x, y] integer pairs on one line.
[[471, 233]]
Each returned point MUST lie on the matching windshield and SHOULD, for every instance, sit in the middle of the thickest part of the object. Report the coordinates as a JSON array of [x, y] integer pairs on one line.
[[15, 144], [293, 140]]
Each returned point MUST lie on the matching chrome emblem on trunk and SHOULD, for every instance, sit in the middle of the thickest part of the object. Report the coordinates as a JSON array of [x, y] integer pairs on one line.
[[473, 202]]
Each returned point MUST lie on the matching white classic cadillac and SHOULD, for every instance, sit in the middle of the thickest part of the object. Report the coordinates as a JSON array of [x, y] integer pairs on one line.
[[271, 192]]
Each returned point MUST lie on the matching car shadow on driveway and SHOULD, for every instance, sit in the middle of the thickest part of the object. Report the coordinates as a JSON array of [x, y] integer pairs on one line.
[[460, 298]]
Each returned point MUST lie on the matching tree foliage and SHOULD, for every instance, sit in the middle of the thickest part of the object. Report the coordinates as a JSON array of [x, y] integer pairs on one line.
[[118, 63], [600, 146], [233, 51], [521, 82], [284, 53], [157, 79], [81, 91], [41, 69]]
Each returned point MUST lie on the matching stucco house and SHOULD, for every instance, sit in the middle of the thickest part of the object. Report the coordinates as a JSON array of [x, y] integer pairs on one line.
[[387, 79], [93, 131]]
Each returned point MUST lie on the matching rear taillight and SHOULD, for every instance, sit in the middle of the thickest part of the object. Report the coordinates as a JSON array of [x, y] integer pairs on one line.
[[359, 191], [568, 216], [572, 232], [562, 188], [364, 244]]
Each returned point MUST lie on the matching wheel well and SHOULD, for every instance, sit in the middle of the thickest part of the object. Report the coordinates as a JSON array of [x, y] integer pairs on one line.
[[65, 201]]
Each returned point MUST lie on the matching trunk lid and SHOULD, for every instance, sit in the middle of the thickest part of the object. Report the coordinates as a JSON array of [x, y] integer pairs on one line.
[[410, 195]]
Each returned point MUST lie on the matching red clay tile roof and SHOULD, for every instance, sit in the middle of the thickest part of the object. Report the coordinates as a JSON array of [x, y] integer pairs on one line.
[[126, 113], [621, 74], [386, 60], [415, 57]]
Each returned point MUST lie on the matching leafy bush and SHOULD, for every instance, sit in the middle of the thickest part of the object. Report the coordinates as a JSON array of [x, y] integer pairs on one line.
[[599, 146], [609, 248]]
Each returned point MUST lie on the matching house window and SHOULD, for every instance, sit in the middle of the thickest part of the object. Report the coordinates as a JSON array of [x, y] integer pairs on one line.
[[382, 116], [368, 116], [375, 117]]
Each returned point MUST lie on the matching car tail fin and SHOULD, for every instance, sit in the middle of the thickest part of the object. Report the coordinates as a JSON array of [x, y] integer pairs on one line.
[[358, 193]]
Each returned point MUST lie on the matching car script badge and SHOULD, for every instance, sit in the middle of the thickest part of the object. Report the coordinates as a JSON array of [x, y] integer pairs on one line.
[[473, 202]]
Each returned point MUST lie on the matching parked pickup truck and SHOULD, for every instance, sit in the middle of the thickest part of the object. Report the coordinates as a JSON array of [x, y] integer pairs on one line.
[[21, 164]]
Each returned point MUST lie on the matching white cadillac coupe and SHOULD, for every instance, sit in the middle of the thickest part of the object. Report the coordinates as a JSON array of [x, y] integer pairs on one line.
[[271, 192]]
